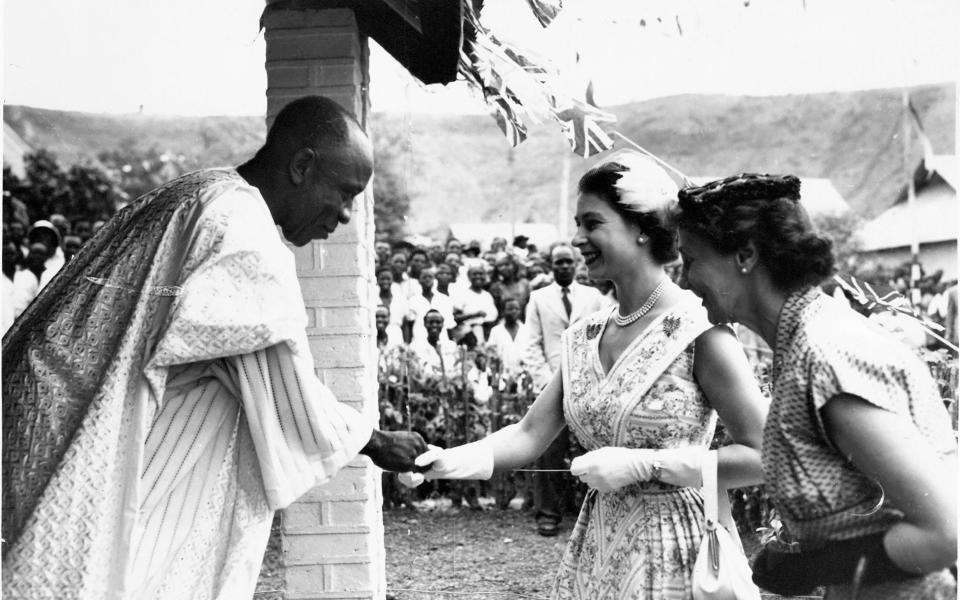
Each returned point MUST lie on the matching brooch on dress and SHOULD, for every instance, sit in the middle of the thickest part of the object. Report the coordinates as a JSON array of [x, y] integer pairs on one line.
[[593, 330], [671, 323]]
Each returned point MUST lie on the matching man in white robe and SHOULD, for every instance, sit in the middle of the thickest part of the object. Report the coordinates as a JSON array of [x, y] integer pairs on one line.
[[160, 400]]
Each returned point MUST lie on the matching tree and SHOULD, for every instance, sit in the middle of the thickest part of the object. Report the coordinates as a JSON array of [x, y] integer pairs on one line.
[[83, 191], [391, 203]]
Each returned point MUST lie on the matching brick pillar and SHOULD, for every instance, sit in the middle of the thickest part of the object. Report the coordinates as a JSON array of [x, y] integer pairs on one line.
[[333, 536]]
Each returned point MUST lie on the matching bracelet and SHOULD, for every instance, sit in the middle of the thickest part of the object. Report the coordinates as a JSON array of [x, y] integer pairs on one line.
[[656, 470]]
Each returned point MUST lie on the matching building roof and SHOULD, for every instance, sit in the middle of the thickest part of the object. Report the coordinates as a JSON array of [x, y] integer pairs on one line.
[[934, 217]]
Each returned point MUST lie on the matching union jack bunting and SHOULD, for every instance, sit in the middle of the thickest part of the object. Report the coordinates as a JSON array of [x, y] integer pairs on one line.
[[545, 10], [581, 124]]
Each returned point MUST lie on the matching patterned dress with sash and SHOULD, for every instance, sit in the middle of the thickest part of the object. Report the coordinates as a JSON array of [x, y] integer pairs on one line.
[[638, 542]]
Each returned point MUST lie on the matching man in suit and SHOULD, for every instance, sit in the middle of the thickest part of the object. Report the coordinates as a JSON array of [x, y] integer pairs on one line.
[[550, 311]]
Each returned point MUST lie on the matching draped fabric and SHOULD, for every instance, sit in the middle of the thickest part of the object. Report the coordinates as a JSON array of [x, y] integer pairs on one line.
[[160, 404], [823, 349], [640, 541]]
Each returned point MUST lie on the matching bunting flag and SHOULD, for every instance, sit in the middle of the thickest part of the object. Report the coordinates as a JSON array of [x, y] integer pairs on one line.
[[545, 10], [921, 134], [580, 122]]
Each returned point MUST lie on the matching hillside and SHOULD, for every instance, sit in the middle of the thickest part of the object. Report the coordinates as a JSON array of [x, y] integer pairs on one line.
[[460, 168]]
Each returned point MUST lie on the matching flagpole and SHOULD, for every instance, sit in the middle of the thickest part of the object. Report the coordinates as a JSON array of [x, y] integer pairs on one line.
[[911, 204], [563, 205]]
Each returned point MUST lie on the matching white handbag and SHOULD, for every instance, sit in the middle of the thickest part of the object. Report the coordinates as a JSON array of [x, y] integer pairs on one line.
[[721, 571]]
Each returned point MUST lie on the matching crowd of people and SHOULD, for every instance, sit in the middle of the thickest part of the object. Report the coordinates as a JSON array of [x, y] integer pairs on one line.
[[33, 254]]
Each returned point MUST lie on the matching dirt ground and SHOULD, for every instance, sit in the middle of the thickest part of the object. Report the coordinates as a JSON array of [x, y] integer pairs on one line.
[[437, 552]]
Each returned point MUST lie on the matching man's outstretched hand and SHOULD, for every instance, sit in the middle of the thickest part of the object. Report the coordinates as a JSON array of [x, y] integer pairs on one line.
[[395, 450]]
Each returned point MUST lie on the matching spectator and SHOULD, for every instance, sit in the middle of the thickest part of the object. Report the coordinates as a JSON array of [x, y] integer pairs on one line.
[[444, 276], [83, 229], [436, 353], [474, 309], [436, 253], [11, 259], [393, 299], [429, 299], [454, 245], [418, 261], [551, 310], [26, 282], [406, 286], [71, 245], [382, 250], [505, 337], [460, 279], [498, 245], [18, 234], [47, 234], [389, 335], [509, 284], [62, 224]]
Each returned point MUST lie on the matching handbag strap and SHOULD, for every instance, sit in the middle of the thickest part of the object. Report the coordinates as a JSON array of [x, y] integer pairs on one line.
[[709, 474]]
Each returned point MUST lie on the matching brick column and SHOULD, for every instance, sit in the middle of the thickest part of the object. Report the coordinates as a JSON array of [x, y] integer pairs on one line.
[[333, 536]]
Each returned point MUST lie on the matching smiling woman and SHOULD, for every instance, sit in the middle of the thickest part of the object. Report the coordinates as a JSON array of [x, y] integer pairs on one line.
[[858, 455], [641, 391]]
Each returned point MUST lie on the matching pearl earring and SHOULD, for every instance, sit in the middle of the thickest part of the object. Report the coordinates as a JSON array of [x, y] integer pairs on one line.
[[743, 270], [641, 240]]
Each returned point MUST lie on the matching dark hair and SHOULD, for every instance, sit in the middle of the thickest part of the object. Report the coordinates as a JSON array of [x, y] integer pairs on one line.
[[658, 226], [420, 252], [384, 269], [730, 212], [309, 122]]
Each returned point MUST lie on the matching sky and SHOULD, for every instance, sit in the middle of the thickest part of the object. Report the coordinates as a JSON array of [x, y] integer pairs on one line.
[[190, 57]]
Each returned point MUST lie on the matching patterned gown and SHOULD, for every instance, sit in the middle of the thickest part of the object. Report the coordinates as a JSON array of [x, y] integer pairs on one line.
[[638, 542]]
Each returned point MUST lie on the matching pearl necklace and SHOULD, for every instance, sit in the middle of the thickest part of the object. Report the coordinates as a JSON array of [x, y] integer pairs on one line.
[[623, 321]]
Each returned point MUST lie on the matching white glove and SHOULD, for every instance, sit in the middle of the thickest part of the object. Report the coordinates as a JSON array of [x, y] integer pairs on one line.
[[470, 461], [410, 479], [610, 468], [681, 466]]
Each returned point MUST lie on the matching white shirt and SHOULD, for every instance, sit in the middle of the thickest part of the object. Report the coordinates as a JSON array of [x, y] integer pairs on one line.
[[509, 348], [419, 306], [470, 301]]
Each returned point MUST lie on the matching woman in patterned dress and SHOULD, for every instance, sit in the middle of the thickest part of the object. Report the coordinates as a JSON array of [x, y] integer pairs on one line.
[[641, 386], [858, 455]]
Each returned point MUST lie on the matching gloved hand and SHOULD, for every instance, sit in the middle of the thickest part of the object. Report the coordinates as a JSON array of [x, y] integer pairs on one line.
[[410, 479], [794, 574], [610, 468], [469, 461], [681, 466]]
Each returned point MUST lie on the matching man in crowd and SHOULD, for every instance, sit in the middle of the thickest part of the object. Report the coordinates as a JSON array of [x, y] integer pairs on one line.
[[160, 400], [418, 262], [429, 299], [550, 311], [474, 309]]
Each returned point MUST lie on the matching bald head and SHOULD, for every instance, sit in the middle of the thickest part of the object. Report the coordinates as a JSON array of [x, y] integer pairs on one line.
[[315, 161]]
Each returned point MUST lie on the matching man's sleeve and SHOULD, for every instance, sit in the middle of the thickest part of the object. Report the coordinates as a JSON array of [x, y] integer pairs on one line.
[[302, 434], [532, 357]]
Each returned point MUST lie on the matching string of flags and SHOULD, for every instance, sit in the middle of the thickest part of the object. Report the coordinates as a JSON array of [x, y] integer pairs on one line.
[[519, 90]]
